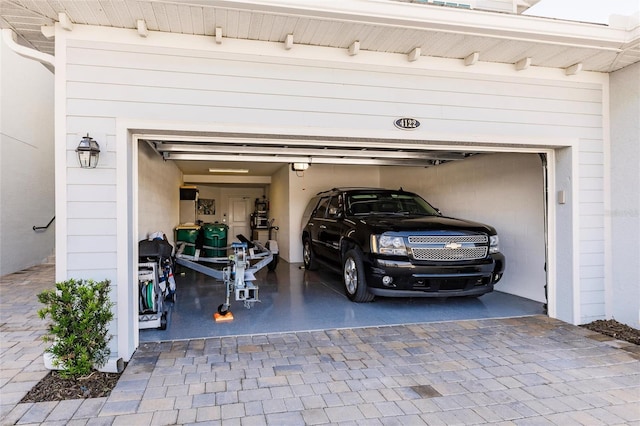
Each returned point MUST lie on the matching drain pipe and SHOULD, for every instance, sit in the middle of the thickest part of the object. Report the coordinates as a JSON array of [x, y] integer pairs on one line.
[[10, 37]]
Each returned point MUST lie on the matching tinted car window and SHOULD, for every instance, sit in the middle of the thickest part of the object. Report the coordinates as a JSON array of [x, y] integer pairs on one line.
[[388, 202], [322, 208], [334, 206]]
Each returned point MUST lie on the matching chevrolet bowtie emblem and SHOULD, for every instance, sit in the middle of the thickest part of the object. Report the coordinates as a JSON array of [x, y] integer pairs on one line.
[[453, 246]]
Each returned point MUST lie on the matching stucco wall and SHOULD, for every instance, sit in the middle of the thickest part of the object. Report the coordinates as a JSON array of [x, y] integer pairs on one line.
[[26, 161], [625, 195]]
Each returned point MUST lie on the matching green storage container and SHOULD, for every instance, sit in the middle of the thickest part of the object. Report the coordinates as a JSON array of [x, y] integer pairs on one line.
[[188, 234], [215, 235]]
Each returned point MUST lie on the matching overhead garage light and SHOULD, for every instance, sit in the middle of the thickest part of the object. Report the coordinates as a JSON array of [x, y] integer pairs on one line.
[[299, 167], [228, 170]]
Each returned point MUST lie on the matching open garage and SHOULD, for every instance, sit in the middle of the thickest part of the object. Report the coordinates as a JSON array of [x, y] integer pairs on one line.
[[513, 132], [491, 185]]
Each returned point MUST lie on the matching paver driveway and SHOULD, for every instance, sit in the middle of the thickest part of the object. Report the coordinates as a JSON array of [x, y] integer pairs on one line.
[[527, 370]]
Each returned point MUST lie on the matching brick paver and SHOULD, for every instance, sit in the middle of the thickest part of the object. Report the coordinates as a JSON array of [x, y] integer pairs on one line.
[[522, 371]]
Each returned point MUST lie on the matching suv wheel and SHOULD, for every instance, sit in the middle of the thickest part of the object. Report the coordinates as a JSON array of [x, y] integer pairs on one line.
[[355, 283], [308, 256]]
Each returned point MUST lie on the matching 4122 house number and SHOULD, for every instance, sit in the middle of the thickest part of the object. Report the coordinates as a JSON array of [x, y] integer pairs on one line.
[[407, 123]]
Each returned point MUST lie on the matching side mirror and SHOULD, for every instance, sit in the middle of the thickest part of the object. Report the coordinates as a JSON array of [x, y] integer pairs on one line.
[[335, 212]]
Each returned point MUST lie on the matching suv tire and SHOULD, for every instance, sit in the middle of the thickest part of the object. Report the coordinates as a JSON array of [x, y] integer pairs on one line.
[[308, 256], [355, 283]]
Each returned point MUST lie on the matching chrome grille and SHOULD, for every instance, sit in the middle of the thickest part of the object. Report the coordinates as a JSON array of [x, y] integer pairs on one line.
[[434, 247], [444, 254], [444, 239]]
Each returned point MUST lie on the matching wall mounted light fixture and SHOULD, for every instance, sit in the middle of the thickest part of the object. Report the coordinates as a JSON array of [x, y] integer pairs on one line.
[[299, 167], [88, 152]]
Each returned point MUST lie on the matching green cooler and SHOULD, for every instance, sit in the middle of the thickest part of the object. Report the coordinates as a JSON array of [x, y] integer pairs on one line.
[[215, 235], [188, 234]]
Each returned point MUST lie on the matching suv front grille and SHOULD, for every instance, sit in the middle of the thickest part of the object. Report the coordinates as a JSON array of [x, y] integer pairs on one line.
[[448, 248], [471, 253], [444, 239]]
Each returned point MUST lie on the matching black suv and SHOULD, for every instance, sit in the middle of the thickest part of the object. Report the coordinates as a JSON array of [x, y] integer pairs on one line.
[[394, 243]]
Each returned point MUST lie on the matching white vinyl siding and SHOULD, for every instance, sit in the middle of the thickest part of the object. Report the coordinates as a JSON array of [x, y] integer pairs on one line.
[[109, 81]]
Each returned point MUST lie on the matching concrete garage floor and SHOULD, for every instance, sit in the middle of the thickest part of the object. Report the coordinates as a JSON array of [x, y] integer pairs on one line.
[[293, 299]]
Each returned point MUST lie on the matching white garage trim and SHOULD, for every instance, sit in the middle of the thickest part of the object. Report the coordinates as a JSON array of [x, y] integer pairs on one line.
[[608, 218], [60, 119], [575, 232], [127, 182], [129, 133]]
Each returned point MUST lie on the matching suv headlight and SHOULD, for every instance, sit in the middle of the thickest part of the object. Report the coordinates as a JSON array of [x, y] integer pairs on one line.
[[388, 244], [494, 244]]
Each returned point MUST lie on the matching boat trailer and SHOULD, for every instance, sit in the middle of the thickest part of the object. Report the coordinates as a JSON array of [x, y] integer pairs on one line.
[[238, 269]]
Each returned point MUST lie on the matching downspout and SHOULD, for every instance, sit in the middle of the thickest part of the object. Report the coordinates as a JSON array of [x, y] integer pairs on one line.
[[10, 37]]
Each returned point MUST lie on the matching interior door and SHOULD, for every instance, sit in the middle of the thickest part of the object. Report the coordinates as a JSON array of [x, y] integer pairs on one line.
[[239, 218]]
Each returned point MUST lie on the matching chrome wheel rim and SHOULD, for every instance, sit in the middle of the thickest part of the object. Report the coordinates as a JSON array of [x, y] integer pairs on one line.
[[306, 256], [350, 276]]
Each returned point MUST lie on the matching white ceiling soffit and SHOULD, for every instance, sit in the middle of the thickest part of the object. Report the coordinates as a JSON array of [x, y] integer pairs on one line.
[[393, 26]]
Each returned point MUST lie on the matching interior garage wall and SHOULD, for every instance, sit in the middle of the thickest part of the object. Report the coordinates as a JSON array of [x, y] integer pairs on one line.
[[317, 178], [281, 210], [158, 194], [501, 190], [26, 162], [625, 195]]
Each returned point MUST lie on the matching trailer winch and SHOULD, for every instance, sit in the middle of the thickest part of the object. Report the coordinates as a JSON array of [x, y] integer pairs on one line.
[[238, 269]]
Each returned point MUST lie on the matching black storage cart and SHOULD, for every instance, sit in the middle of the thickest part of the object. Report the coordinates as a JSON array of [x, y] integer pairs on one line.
[[155, 282]]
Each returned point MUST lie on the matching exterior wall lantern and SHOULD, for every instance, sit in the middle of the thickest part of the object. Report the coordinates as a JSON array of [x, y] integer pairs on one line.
[[88, 152]]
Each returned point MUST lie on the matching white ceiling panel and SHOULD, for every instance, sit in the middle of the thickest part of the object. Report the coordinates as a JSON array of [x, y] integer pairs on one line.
[[245, 22], [160, 11], [148, 14], [197, 19], [310, 29], [185, 19], [275, 27], [327, 35], [352, 32], [232, 21], [443, 45], [439, 31]]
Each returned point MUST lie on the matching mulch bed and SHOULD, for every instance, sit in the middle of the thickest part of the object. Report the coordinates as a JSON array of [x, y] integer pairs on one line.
[[55, 388], [613, 328]]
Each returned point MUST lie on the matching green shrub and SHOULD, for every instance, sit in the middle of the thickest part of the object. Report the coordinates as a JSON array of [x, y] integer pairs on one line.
[[80, 312]]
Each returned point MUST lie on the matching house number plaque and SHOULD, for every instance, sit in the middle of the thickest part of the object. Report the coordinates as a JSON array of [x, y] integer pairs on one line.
[[407, 123]]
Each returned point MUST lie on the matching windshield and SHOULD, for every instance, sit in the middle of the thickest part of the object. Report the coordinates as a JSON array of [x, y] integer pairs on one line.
[[405, 203]]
